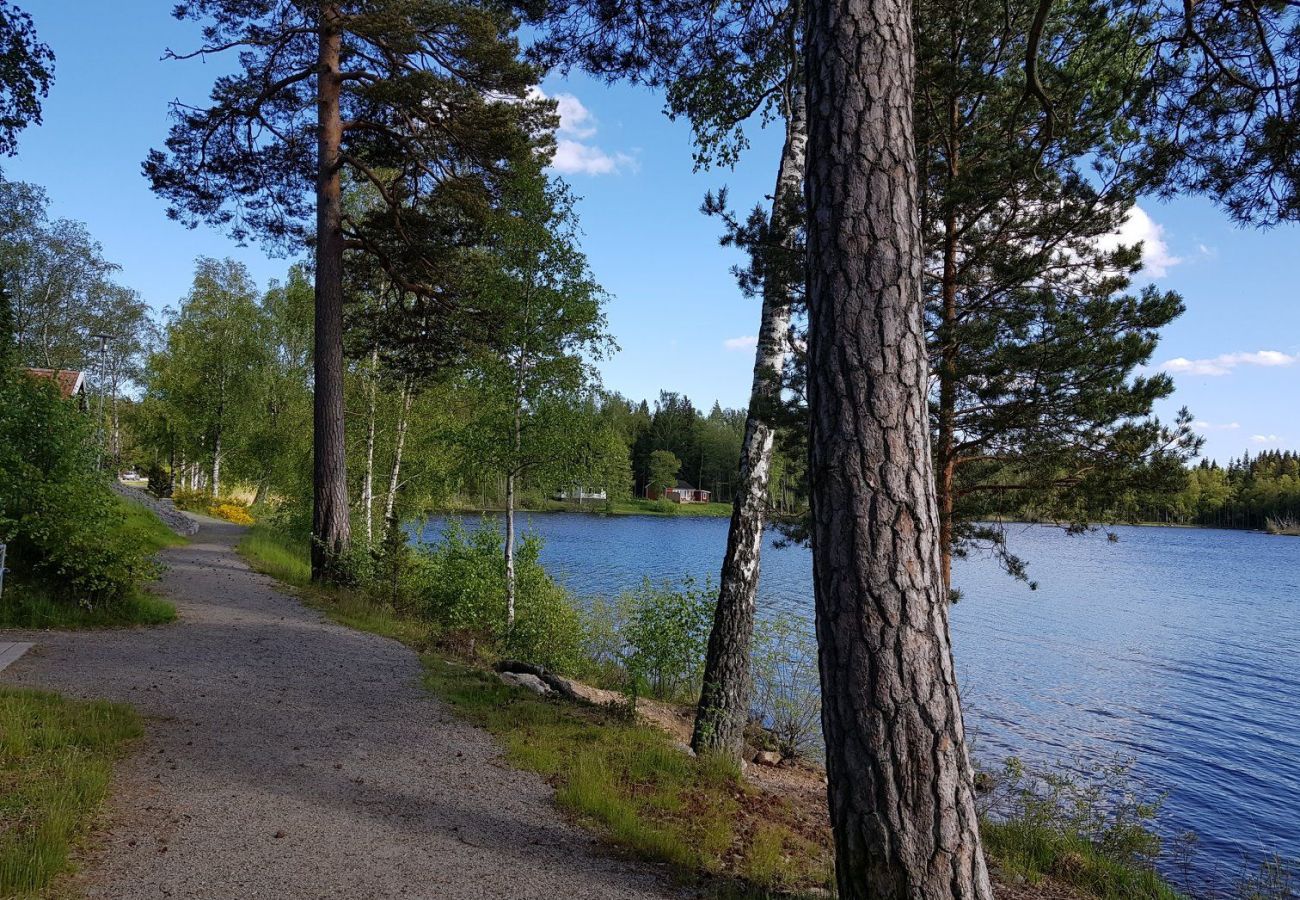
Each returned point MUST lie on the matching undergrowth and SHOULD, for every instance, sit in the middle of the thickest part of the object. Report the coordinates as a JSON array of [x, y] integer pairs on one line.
[[56, 758]]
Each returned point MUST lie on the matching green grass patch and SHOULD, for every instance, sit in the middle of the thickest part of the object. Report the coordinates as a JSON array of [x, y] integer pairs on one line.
[[146, 528], [281, 556], [29, 605], [1036, 852], [639, 507], [56, 757], [626, 780]]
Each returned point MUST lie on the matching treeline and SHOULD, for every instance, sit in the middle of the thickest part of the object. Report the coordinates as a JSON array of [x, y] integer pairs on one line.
[[1257, 492]]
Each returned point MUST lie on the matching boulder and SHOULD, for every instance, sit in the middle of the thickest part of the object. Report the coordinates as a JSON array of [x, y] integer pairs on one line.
[[527, 682], [767, 758]]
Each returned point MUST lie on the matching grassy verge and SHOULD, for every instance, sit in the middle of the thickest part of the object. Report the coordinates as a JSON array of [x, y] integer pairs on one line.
[[37, 605], [56, 757], [627, 780], [1034, 852]]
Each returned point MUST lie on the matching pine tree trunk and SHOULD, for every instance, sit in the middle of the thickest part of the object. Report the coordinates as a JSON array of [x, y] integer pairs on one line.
[[899, 781], [724, 701], [394, 476], [331, 527]]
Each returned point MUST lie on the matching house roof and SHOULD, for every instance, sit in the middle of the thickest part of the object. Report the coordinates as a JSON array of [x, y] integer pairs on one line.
[[684, 486], [70, 382]]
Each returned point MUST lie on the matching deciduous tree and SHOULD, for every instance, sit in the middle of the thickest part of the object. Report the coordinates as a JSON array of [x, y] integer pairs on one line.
[[26, 70]]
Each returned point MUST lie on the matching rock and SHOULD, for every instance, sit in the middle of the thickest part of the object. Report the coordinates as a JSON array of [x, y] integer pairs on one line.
[[767, 758], [527, 682]]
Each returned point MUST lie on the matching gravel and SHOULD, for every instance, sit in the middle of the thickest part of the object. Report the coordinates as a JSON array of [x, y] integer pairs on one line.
[[289, 757]]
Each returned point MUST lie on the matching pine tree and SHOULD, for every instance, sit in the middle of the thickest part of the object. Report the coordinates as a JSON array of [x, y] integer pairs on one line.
[[900, 785], [422, 101]]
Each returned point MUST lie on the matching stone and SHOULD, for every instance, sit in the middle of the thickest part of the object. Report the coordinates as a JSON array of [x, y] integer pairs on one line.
[[767, 758], [527, 682]]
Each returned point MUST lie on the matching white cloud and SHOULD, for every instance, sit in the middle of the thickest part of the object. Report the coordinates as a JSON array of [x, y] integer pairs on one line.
[[1157, 260], [1226, 362], [573, 155], [1267, 439], [1211, 426], [745, 342]]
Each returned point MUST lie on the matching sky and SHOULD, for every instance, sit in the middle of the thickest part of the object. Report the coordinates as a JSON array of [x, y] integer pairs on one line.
[[676, 313]]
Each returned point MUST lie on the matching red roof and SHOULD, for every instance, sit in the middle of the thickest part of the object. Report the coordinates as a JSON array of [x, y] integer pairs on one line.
[[69, 381]]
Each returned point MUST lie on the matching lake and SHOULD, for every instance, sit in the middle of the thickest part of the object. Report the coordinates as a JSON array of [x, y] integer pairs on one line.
[[1179, 648]]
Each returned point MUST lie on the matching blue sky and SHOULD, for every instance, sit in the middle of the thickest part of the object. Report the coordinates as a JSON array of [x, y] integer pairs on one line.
[[676, 313]]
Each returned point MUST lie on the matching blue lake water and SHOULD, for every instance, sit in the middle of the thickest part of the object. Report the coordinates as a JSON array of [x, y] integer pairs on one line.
[[1179, 648]]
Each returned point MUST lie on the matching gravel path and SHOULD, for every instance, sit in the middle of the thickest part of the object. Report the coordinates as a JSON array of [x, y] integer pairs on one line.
[[289, 757]]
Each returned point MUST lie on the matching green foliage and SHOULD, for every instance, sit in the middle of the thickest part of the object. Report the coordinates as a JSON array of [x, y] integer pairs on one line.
[[1091, 831], [665, 638], [63, 525], [664, 466], [786, 699], [26, 70], [56, 756], [1252, 492], [460, 585]]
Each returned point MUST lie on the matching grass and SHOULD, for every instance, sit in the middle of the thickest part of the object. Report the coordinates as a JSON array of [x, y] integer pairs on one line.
[[29, 604], [1035, 852], [56, 757]]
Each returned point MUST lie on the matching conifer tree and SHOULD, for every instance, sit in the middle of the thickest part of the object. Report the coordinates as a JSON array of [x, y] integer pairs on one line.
[[900, 785], [422, 101]]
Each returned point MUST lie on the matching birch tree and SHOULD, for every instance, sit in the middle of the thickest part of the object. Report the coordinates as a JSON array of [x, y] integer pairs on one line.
[[550, 327]]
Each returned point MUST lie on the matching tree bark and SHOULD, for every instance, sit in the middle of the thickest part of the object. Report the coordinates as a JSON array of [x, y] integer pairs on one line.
[[331, 527], [216, 464], [517, 437], [394, 476], [724, 701], [368, 486], [899, 781]]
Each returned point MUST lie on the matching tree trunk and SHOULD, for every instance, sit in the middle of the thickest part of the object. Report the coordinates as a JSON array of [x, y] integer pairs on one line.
[[216, 464], [368, 486], [331, 527], [510, 514], [394, 476], [947, 452], [899, 781], [724, 701], [510, 551]]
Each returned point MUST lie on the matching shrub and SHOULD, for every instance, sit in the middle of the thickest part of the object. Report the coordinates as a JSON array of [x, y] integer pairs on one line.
[[665, 638], [787, 697], [232, 513], [63, 524], [461, 582]]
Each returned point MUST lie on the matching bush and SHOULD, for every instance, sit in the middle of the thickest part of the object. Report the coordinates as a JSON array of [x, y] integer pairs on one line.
[[461, 583], [217, 507], [787, 696], [665, 638], [63, 524]]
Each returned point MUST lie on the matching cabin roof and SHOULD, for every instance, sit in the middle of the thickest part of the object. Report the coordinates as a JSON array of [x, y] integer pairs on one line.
[[70, 381]]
